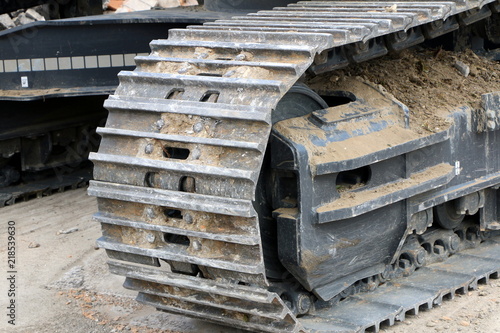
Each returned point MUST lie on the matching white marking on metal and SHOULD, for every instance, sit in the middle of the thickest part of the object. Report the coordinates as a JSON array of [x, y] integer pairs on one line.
[[67, 63], [51, 64], [129, 59], [77, 62], [104, 61], [24, 65], [64, 63], [37, 64], [117, 60], [10, 66], [91, 62], [24, 82]]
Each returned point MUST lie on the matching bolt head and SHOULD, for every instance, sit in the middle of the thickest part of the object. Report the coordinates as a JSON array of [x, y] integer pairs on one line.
[[454, 243], [240, 57], [195, 154], [188, 218], [303, 304], [150, 213], [491, 115], [198, 127], [196, 245], [149, 148], [401, 36], [420, 257], [159, 124], [150, 238]]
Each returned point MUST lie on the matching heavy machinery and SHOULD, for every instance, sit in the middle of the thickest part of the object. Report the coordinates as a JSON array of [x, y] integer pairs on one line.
[[45, 138], [230, 191], [54, 78]]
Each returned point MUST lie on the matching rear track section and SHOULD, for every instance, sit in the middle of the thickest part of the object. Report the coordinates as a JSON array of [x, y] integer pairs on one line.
[[185, 140]]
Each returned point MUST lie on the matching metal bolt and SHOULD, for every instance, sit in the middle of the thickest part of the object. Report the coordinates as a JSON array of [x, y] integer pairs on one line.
[[198, 127], [149, 148], [454, 244], [150, 213], [196, 245], [240, 57], [420, 257], [321, 58], [150, 238], [491, 115], [195, 154], [188, 218], [159, 124], [401, 36], [437, 24], [387, 273], [362, 47], [303, 304]]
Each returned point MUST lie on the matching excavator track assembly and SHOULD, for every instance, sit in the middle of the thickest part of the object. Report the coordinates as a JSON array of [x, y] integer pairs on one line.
[[229, 192]]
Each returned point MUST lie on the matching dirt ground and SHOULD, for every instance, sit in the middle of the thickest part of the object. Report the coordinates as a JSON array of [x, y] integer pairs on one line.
[[63, 284]]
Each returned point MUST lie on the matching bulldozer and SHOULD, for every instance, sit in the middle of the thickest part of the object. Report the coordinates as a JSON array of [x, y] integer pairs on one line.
[[234, 188]]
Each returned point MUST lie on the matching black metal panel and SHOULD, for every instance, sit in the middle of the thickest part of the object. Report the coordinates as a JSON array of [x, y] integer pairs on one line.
[[310, 251], [38, 117], [78, 54]]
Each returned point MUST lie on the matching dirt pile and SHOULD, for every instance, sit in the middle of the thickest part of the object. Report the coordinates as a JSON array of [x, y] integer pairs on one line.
[[429, 82]]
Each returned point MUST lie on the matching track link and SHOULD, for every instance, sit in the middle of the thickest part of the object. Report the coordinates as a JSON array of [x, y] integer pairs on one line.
[[180, 156]]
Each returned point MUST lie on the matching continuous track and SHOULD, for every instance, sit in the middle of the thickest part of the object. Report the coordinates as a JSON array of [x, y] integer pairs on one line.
[[180, 157], [41, 188]]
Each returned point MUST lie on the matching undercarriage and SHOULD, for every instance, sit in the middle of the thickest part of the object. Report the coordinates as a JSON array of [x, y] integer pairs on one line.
[[236, 186]]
